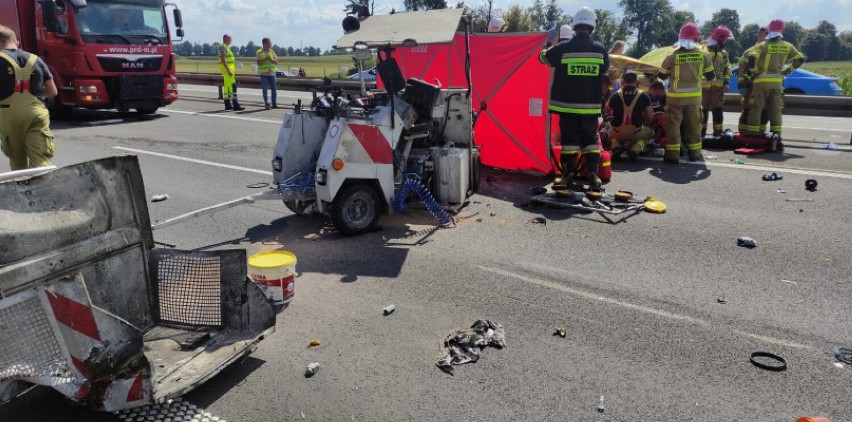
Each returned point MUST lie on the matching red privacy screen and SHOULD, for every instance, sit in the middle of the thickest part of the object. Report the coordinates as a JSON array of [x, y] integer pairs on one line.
[[506, 73]]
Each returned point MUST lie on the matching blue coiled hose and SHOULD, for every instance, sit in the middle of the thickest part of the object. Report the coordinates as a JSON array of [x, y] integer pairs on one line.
[[412, 184]]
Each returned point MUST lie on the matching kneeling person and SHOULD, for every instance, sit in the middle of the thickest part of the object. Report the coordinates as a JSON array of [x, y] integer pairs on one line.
[[632, 113]]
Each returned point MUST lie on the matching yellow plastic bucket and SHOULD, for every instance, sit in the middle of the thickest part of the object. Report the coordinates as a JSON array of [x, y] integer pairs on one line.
[[275, 273]]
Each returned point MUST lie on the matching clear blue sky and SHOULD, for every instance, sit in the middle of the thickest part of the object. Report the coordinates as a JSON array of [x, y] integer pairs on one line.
[[317, 22]]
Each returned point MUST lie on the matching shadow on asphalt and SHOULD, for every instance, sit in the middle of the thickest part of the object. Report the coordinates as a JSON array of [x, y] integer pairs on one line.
[[84, 117], [226, 381]]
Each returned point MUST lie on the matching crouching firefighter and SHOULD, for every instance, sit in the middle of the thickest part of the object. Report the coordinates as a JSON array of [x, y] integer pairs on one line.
[[25, 135], [579, 64], [631, 116], [685, 66], [767, 63]]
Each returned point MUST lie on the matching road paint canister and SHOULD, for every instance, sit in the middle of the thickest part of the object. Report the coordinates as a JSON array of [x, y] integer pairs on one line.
[[275, 273]]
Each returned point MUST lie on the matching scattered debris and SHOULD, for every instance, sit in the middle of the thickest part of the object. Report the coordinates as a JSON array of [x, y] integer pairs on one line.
[[746, 242], [389, 309], [843, 354], [838, 364], [772, 176], [777, 363], [313, 343], [303, 414], [780, 190], [601, 404], [560, 331], [312, 369], [800, 200], [465, 346], [721, 300], [811, 185], [493, 214], [482, 380], [172, 410], [711, 157], [478, 220], [538, 220], [737, 161], [829, 145], [159, 198]]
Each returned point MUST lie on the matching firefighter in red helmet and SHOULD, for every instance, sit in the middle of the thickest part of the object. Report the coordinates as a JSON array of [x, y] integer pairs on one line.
[[713, 92]]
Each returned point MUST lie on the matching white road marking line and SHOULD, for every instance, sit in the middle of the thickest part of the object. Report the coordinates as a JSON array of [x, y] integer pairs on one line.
[[640, 308], [590, 295], [817, 128], [789, 170], [221, 116], [193, 160]]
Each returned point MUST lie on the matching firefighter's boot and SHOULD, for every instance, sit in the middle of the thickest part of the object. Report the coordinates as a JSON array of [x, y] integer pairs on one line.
[[569, 171], [593, 162], [672, 156]]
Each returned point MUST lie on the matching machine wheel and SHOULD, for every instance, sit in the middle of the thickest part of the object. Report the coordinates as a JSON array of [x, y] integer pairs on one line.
[[355, 210], [474, 171], [147, 110], [298, 208]]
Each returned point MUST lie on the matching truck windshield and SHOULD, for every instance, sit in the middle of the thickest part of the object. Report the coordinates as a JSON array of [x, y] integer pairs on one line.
[[111, 22]]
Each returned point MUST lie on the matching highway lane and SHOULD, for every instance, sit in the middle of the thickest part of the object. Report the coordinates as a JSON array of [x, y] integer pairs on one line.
[[639, 298]]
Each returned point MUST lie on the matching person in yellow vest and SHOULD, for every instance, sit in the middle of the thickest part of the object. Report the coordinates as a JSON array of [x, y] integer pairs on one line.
[[744, 84], [713, 92], [684, 67], [25, 80], [228, 69], [631, 115], [767, 63], [266, 61]]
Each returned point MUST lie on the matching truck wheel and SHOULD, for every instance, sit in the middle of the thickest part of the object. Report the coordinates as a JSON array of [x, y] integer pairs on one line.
[[147, 110], [57, 110], [355, 210], [298, 208]]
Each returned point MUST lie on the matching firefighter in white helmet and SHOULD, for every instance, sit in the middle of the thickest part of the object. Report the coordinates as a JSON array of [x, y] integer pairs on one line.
[[576, 96], [497, 24]]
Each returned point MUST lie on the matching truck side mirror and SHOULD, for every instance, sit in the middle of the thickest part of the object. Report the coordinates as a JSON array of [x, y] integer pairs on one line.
[[178, 20], [50, 15], [179, 32]]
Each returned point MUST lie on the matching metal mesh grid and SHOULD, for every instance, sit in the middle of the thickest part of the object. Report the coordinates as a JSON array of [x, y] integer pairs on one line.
[[28, 347], [189, 289]]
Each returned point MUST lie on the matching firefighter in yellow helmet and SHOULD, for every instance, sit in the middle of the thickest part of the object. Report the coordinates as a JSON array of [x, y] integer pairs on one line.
[[767, 62], [684, 67], [713, 92], [228, 69], [25, 80]]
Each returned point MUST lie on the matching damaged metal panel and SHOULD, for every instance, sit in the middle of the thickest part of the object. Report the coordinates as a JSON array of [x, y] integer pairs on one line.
[[88, 308]]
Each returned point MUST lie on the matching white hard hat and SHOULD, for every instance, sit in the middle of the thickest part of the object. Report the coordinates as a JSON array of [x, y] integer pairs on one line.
[[585, 16], [496, 25], [565, 32]]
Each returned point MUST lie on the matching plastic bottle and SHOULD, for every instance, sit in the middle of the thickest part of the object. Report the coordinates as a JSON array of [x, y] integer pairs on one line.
[[601, 404]]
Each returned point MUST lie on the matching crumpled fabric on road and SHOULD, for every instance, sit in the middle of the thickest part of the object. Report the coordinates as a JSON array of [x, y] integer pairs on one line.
[[465, 346]]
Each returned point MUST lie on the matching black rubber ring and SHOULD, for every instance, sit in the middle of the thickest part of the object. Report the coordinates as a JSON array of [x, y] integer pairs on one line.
[[779, 359]]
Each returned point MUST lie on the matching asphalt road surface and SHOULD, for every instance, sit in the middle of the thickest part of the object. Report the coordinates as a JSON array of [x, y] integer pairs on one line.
[[639, 299]]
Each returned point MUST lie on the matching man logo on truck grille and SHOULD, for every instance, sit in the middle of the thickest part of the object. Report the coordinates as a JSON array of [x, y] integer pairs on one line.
[[132, 65]]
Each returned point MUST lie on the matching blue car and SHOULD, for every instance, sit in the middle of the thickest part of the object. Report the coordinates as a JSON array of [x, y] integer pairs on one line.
[[802, 82]]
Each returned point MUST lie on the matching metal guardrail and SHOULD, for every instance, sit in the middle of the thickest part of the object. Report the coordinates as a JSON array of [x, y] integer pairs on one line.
[[805, 105]]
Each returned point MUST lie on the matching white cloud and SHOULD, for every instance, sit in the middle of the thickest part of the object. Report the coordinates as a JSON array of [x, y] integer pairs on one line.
[[317, 22]]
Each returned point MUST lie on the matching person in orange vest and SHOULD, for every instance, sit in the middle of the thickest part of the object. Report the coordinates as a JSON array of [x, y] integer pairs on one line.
[[767, 64], [713, 92], [684, 67], [631, 115]]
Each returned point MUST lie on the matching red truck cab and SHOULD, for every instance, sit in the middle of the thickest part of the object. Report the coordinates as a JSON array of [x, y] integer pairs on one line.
[[104, 54]]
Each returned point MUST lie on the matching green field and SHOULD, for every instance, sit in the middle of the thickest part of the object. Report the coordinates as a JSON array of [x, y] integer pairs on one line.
[[840, 70], [315, 67]]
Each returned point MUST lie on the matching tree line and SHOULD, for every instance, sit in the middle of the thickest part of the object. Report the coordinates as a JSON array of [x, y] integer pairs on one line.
[[188, 49], [651, 24]]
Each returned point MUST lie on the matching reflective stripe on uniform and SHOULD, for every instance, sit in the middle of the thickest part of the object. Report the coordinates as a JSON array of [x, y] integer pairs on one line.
[[570, 110]]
